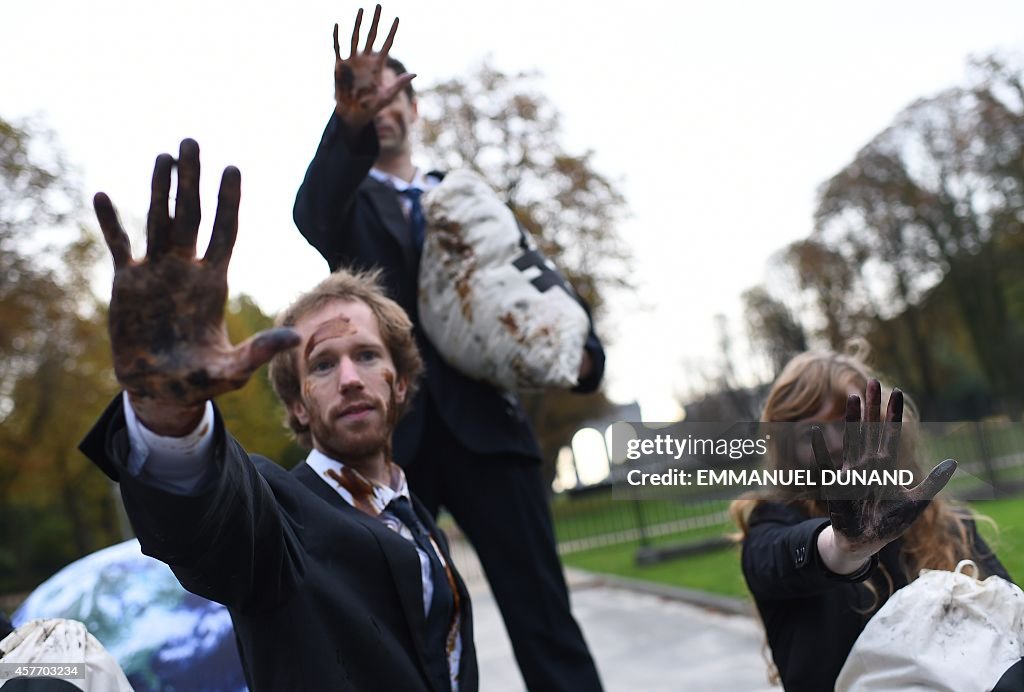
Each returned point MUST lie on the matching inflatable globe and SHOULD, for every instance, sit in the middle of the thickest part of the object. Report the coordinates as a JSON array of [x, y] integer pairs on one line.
[[163, 637]]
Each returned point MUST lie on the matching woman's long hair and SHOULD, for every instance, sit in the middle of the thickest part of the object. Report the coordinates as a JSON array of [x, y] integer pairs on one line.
[[938, 539]]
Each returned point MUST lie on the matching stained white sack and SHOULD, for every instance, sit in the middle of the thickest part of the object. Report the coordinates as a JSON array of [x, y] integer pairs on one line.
[[513, 326], [57, 641], [945, 631]]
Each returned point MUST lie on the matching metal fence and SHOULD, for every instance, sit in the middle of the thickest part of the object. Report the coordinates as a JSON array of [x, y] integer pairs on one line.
[[990, 455]]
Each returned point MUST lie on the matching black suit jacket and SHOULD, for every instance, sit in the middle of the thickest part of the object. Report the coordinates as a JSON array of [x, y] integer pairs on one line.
[[813, 617], [322, 596], [356, 221]]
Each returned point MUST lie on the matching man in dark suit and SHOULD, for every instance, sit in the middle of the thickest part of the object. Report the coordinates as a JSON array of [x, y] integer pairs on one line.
[[466, 445], [335, 577]]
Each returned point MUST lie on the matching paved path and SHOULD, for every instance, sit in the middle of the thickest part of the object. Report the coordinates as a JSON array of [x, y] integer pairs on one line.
[[642, 642]]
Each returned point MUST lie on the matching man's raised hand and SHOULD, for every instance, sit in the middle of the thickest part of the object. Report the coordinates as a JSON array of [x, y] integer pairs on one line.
[[866, 519], [359, 93], [170, 345]]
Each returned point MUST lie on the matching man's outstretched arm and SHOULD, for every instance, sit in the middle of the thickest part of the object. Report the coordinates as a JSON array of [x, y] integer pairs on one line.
[[172, 355], [349, 145]]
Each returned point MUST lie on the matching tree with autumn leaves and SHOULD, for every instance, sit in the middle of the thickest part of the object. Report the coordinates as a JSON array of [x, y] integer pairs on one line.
[[502, 127], [53, 365], [918, 245]]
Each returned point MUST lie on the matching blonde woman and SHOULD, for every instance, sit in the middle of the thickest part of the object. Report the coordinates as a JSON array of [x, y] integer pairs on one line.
[[819, 567]]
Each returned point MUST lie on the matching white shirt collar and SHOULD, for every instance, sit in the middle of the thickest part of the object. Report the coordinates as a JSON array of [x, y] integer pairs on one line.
[[382, 494], [419, 181]]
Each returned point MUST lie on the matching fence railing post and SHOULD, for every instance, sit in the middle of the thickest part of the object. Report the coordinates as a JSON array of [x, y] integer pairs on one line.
[[986, 458]]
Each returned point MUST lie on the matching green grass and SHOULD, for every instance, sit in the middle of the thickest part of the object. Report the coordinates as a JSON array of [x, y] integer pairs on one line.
[[719, 571], [599, 514], [1008, 539]]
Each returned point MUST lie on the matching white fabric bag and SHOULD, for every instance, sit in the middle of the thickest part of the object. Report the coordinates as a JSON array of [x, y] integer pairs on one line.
[[492, 305], [944, 631], [57, 641]]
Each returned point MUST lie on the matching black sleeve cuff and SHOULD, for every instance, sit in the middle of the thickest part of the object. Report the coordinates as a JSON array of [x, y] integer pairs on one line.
[[593, 380], [361, 144]]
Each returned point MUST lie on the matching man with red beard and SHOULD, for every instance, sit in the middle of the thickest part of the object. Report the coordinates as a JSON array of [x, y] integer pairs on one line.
[[467, 446], [334, 575]]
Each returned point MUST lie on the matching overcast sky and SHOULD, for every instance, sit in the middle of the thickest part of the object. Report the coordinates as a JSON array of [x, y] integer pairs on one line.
[[718, 120]]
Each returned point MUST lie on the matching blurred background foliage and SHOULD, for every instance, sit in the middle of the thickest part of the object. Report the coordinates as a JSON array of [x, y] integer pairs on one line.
[[916, 245]]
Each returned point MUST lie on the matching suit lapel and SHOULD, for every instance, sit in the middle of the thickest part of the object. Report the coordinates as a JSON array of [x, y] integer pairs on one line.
[[385, 200], [319, 486], [401, 555]]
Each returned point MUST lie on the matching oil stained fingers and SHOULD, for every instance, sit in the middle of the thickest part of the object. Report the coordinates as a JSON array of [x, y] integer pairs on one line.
[[873, 417], [354, 46], [225, 224], [853, 444], [386, 48], [893, 425], [113, 232], [372, 36], [934, 483], [158, 222], [187, 212]]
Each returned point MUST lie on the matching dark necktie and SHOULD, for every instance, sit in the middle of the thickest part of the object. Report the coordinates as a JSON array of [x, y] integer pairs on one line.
[[442, 605], [417, 219]]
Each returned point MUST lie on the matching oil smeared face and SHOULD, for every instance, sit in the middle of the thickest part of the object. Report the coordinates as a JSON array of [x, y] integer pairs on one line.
[[394, 120], [350, 391]]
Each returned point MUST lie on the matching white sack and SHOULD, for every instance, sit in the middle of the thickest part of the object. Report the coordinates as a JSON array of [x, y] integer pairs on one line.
[[945, 631], [58, 641], [485, 316]]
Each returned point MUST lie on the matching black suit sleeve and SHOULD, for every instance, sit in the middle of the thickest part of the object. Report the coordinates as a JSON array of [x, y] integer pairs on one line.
[[5, 625], [328, 191], [780, 555], [232, 543], [593, 347]]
